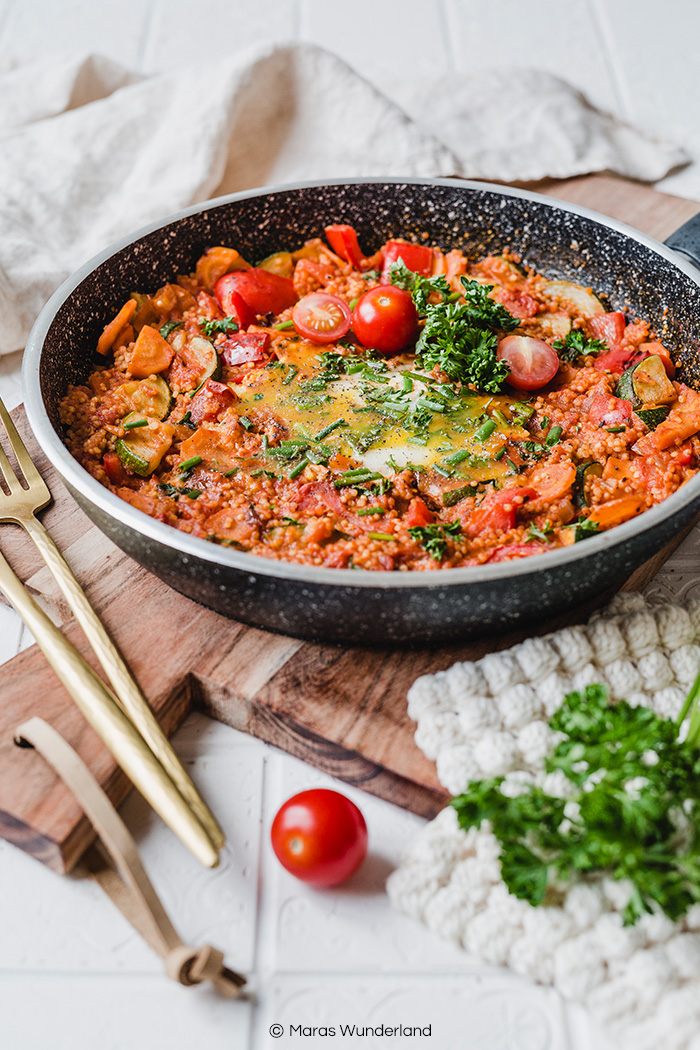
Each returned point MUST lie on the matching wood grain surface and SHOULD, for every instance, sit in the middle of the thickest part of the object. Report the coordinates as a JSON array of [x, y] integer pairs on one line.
[[342, 710]]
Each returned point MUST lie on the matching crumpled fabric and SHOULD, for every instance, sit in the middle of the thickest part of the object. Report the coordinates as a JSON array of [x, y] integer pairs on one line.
[[90, 151]]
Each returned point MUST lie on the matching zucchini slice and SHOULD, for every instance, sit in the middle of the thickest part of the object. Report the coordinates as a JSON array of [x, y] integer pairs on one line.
[[199, 358], [592, 469], [651, 417], [583, 299], [280, 263], [554, 325], [148, 397], [142, 448], [646, 383]]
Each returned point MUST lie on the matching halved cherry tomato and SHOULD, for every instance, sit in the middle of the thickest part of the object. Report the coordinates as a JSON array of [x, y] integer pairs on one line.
[[343, 241], [262, 291], [322, 317], [532, 362], [414, 256], [385, 319], [242, 347], [320, 836]]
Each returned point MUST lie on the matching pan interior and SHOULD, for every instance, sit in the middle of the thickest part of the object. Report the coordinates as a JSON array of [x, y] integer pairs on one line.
[[627, 274]]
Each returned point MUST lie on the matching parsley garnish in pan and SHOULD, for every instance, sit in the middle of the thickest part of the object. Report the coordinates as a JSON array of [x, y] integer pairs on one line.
[[211, 328], [632, 809], [577, 345], [460, 338], [433, 538]]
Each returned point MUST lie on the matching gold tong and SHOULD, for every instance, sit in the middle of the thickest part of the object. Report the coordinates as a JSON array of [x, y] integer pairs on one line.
[[122, 719]]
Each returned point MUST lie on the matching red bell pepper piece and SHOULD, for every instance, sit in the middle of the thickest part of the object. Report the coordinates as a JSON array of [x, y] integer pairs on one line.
[[114, 469], [610, 327], [261, 291], [609, 411], [418, 514], [416, 257], [211, 399], [343, 240], [498, 512], [243, 347]]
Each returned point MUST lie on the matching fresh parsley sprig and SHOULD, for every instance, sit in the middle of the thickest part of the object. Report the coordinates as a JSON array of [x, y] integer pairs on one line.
[[460, 338], [577, 345], [212, 328], [631, 811], [433, 538]]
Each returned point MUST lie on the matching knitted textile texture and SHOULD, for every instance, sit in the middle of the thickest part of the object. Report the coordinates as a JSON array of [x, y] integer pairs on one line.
[[489, 718]]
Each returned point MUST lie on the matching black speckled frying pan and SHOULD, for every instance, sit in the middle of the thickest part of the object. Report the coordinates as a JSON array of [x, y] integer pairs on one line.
[[631, 271]]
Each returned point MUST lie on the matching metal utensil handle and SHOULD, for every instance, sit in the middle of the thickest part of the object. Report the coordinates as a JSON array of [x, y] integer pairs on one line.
[[686, 239], [133, 702], [102, 711]]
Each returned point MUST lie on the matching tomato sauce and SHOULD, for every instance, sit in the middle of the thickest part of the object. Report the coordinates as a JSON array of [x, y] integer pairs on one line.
[[218, 413]]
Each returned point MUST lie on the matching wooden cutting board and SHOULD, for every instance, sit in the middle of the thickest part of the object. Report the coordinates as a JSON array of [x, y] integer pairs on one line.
[[342, 710]]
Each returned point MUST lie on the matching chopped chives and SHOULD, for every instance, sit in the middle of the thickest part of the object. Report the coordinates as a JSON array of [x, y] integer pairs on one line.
[[134, 423], [301, 465], [197, 388], [247, 423], [407, 383], [364, 511], [190, 464], [614, 430], [231, 472], [290, 375], [331, 427], [381, 536], [192, 493], [553, 436], [501, 453], [457, 457], [441, 470], [282, 326], [485, 431], [497, 414]]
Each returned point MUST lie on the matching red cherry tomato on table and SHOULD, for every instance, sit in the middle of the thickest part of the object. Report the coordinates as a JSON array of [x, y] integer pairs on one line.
[[532, 362], [320, 836], [322, 317], [385, 319], [262, 291]]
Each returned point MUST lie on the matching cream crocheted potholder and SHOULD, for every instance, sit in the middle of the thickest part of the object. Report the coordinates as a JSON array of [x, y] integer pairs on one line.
[[489, 718]]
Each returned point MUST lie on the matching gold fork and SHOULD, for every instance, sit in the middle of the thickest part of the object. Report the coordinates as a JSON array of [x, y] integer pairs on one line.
[[20, 507]]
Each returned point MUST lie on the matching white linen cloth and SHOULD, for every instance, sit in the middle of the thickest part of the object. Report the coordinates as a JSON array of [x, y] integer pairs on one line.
[[90, 151]]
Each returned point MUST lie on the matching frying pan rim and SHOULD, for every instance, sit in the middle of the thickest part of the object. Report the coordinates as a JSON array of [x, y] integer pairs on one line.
[[254, 565]]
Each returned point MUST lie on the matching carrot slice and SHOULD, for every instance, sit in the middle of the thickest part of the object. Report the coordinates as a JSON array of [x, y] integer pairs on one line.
[[151, 354], [112, 330], [615, 511], [553, 480]]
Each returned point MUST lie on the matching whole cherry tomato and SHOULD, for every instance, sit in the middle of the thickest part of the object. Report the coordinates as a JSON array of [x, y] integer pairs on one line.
[[322, 317], [532, 362], [385, 319], [320, 836]]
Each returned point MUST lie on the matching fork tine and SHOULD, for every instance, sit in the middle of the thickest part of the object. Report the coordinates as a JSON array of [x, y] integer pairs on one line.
[[26, 464], [8, 474]]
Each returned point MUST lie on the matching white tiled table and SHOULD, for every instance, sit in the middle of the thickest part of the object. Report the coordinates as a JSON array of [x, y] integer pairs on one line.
[[73, 976]]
